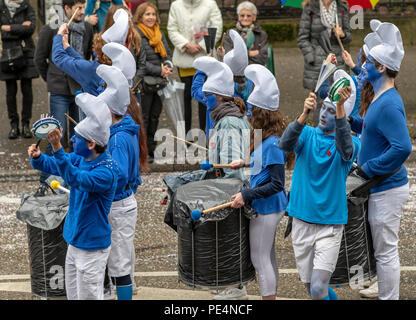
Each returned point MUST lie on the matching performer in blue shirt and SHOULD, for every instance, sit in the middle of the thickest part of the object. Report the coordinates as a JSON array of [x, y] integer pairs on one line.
[[267, 193], [318, 200], [92, 175], [385, 147]]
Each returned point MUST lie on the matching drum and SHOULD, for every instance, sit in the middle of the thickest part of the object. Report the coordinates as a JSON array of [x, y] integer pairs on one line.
[[356, 262], [213, 252], [336, 87], [42, 127]]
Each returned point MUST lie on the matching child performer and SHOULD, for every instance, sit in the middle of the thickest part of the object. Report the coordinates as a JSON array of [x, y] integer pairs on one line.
[[124, 149], [230, 135], [318, 200], [92, 175], [237, 60], [267, 193]]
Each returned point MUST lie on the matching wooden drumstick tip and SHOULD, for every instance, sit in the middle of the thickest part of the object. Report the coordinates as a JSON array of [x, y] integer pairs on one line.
[[72, 120], [73, 16]]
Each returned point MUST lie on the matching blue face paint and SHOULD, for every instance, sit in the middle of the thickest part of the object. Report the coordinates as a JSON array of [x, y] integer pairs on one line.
[[361, 79], [80, 146], [376, 78], [327, 117], [211, 101]]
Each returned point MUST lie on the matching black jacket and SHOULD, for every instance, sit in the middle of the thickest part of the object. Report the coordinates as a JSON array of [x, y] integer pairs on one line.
[[58, 81], [153, 59], [19, 35]]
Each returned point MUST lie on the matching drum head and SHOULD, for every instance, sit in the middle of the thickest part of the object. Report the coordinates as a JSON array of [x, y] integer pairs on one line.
[[43, 126], [336, 87]]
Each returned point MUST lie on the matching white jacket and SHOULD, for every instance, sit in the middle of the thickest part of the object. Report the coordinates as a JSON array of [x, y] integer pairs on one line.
[[183, 16]]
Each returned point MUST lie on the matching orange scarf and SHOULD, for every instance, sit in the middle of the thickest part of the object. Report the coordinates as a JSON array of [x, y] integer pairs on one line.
[[155, 38]]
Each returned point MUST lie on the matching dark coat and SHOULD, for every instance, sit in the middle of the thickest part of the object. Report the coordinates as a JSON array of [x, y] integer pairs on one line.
[[260, 43], [313, 36], [153, 59], [58, 81], [19, 34]]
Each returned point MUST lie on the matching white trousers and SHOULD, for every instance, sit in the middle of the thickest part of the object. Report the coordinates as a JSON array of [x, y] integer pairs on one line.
[[84, 273], [316, 246], [262, 250], [122, 217], [384, 212]]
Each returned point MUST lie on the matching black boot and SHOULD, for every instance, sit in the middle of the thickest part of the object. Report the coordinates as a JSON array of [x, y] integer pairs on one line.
[[14, 131], [26, 133]]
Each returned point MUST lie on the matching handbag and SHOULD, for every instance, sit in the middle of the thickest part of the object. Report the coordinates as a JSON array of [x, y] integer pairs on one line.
[[151, 84], [12, 59]]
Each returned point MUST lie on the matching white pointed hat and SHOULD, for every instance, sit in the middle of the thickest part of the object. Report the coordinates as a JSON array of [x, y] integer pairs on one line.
[[122, 59], [96, 125], [220, 78], [390, 51], [266, 91], [117, 94], [349, 104], [237, 58], [118, 31], [374, 39]]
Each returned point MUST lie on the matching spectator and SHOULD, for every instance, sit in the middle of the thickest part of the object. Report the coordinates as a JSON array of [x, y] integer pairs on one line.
[[185, 34], [252, 33], [158, 65], [317, 39], [18, 23], [61, 87], [96, 11]]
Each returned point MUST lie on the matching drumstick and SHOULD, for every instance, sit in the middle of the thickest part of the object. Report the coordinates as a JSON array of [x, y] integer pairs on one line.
[[196, 145], [72, 120], [73, 16], [206, 165], [55, 185], [336, 33], [37, 143], [196, 214], [222, 40]]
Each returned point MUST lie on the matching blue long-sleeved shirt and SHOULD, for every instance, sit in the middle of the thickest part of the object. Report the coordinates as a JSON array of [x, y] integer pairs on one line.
[[93, 185], [267, 178], [385, 140], [124, 149], [318, 192], [81, 70]]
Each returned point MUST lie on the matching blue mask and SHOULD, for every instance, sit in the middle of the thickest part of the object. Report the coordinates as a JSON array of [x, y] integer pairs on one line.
[[327, 117], [80, 146], [211, 101]]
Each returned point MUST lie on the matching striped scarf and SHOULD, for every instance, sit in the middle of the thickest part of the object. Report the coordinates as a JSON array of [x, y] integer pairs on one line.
[[328, 17]]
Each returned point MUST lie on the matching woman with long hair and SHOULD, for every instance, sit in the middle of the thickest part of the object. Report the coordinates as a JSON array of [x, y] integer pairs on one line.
[[158, 66], [267, 193]]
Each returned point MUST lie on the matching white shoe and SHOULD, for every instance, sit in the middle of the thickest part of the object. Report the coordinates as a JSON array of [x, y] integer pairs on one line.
[[371, 292], [232, 294], [368, 283]]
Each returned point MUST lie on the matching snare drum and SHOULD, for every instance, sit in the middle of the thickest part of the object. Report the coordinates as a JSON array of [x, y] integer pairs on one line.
[[41, 127]]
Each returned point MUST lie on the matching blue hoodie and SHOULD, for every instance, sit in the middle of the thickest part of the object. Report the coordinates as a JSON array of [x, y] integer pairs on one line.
[[124, 149], [93, 185]]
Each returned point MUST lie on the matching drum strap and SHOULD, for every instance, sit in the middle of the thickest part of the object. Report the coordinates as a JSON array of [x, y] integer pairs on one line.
[[363, 190]]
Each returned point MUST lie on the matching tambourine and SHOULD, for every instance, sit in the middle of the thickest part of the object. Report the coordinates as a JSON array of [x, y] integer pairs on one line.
[[336, 87], [45, 124]]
